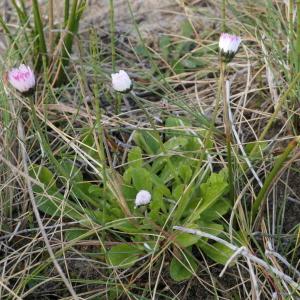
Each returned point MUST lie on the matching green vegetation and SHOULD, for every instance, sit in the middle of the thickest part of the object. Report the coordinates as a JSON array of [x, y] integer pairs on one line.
[[216, 145]]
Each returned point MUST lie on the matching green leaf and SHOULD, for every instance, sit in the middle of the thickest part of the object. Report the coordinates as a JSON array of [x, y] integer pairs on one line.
[[217, 210], [260, 148], [182, 194], [164, 45], [52, 203], [43, 175], [185, 239], [216, 251], [193, 62], [210, 227], [73, 171], [187, 29], [194, 143], [141, 50], [212, 190], [141, 179], [149, 141], [179, 123], [158, 164], [182, 268], [167, 173], [157, 204], [74, 233], [127, 176], [135, 157], [127, 226], [175, 143], [48, 198], [178, 191], [185, 172], [123, 255], [129, 191], [95, 190], [159, 185]]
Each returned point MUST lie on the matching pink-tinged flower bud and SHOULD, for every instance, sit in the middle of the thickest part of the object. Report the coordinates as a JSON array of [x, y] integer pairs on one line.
[[228, 45], [121, 82], [22, 78], [142, 198]]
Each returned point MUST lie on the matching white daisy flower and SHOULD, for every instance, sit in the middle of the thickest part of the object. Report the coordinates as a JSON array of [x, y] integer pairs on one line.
[[121, 82], [142, 198], [22, 78]]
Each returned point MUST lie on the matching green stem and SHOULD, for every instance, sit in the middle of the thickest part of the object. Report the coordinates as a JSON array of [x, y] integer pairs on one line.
[[230, 168], [279, 163]]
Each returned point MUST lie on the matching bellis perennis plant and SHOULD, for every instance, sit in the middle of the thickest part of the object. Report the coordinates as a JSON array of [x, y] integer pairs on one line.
[[121, 82], [143, 197], [22, 78], [228, 45]]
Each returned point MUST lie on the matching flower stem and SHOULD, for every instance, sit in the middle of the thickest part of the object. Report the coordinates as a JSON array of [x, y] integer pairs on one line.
[[228, 134], [223, 15], [112, 34], [113, 51]]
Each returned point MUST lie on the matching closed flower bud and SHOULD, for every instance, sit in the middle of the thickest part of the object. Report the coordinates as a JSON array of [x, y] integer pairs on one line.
[[22, 78], [121, 82], [142, 198], [228, 45]]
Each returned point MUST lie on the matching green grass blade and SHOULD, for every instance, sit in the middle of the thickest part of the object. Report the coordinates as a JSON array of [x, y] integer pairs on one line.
[[72, 28], [39, 30], [267, 184], [66, 12]]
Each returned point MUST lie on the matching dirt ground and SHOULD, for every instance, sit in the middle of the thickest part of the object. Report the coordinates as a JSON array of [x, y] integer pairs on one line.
[[152, 16]]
